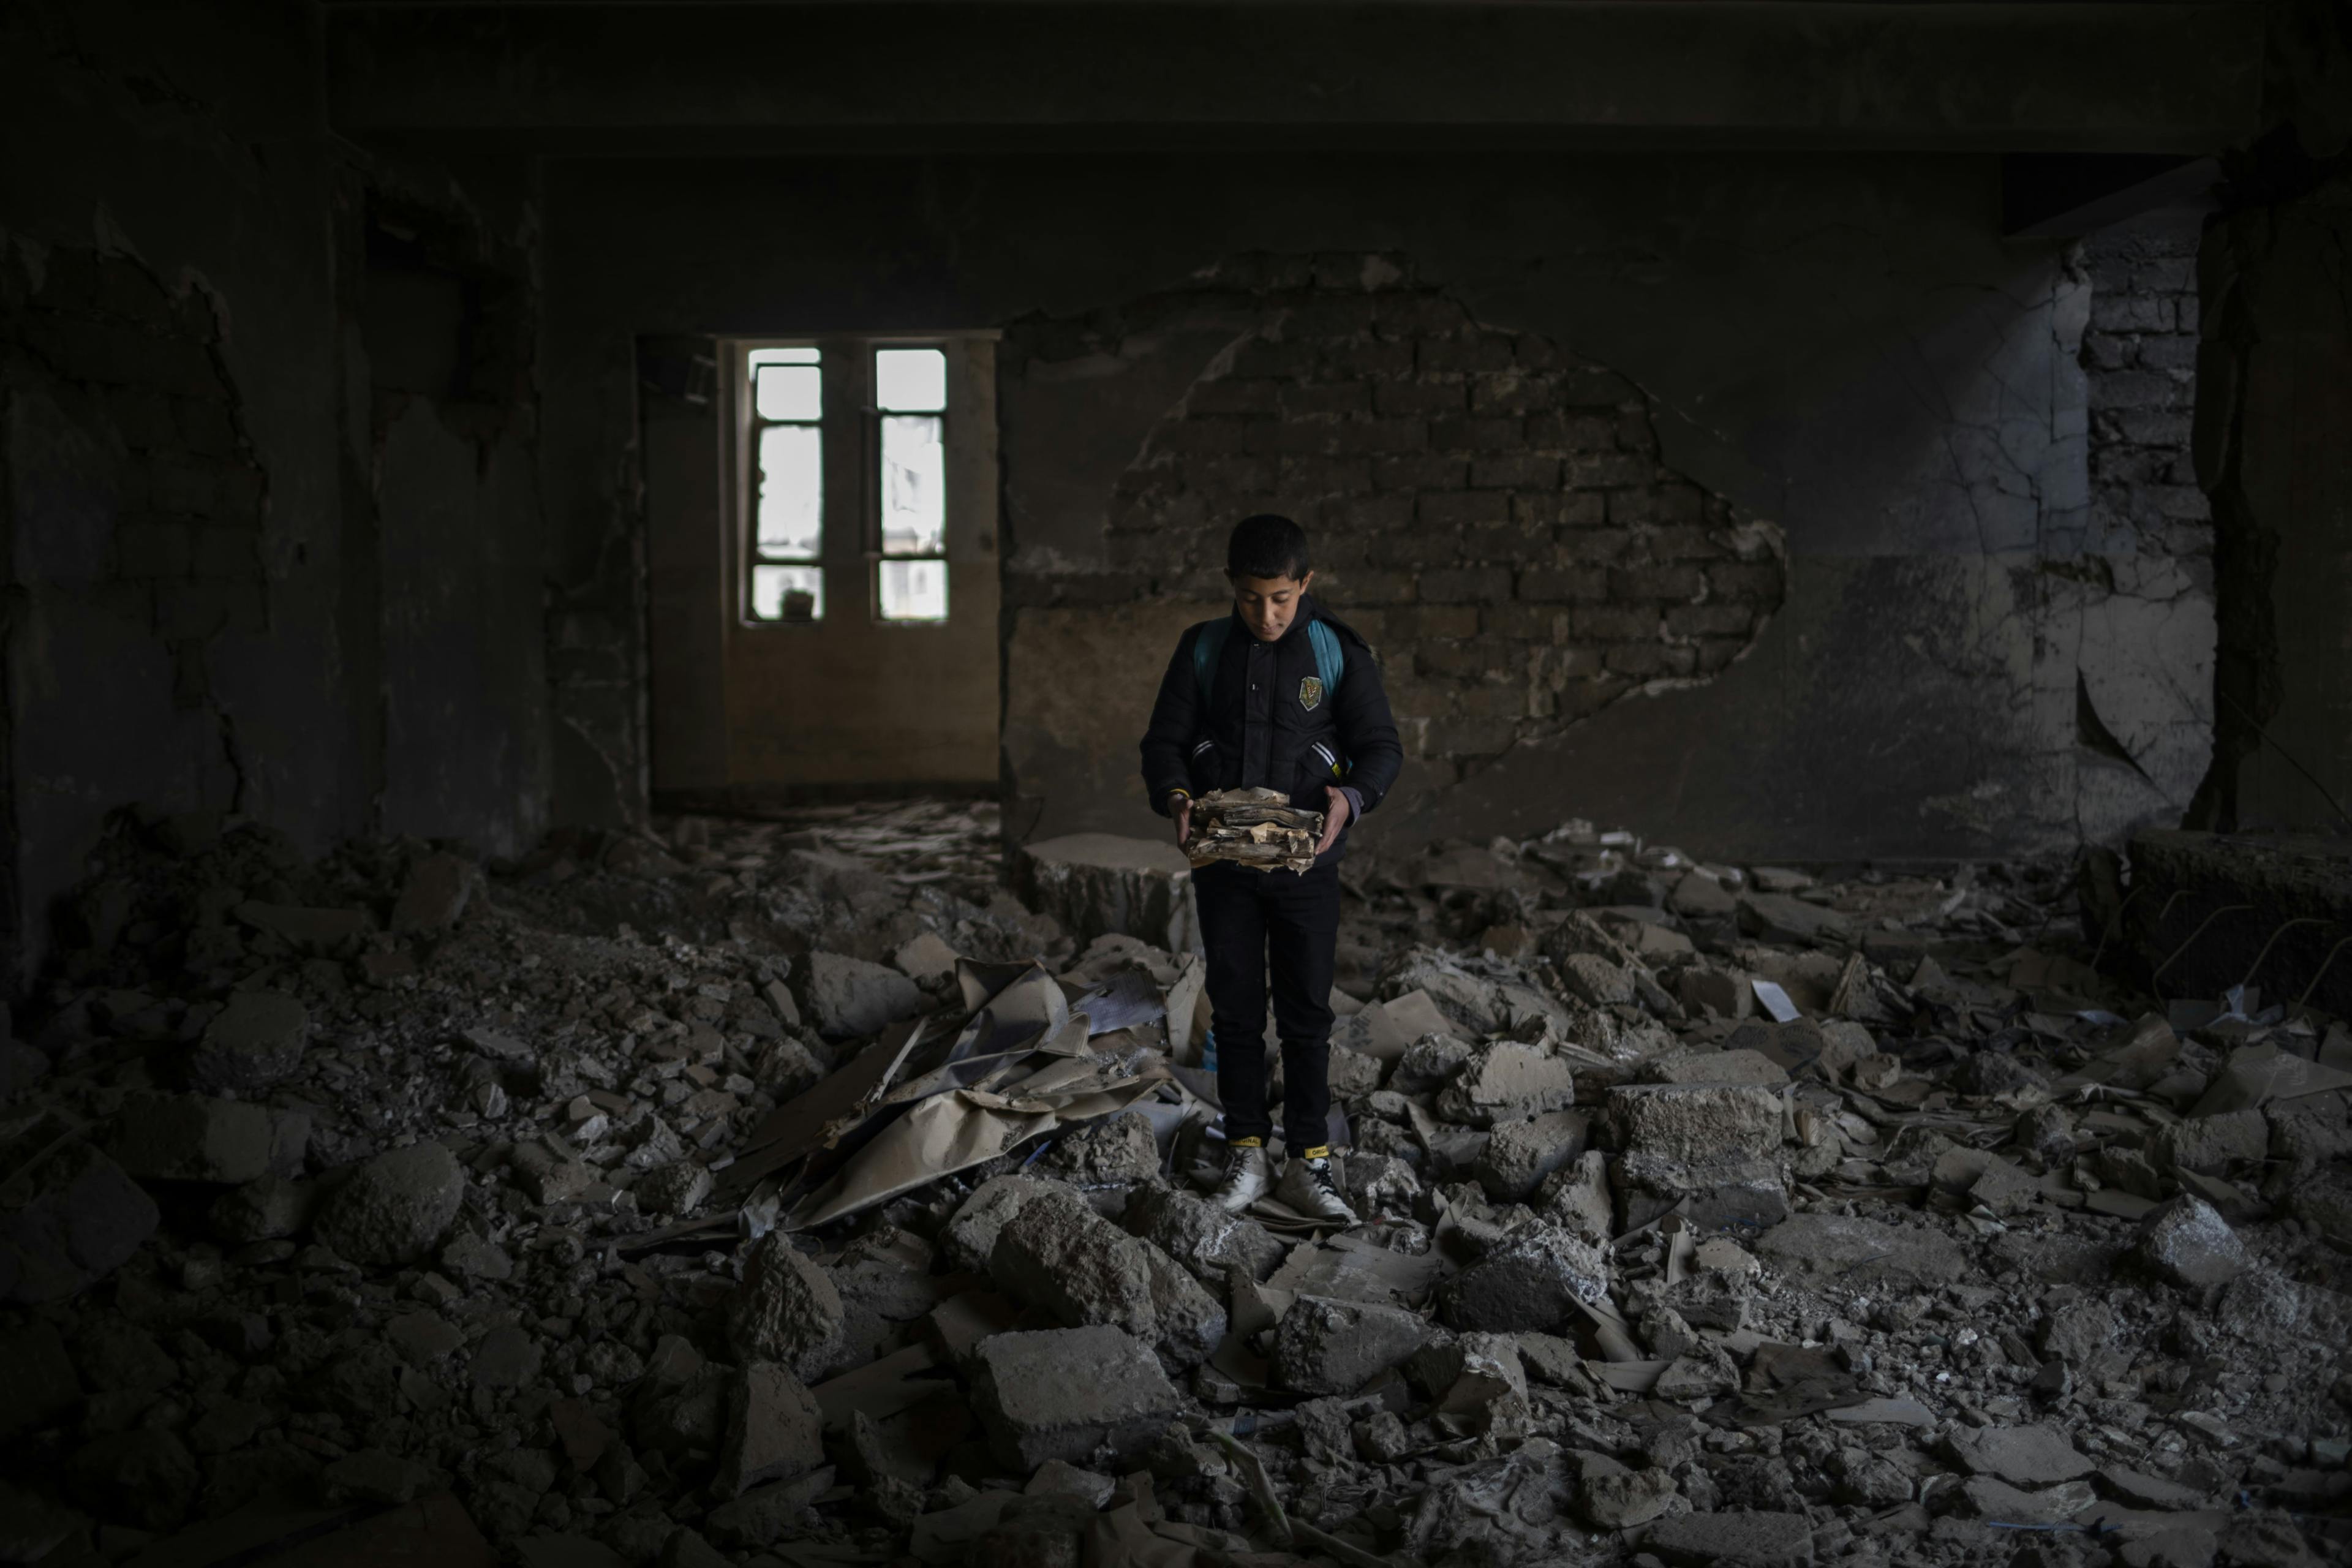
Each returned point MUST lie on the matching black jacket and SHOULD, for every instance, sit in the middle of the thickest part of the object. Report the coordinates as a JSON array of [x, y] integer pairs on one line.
[[1268, 724]]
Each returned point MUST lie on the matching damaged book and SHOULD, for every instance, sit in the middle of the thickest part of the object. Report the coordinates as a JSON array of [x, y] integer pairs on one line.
[[1254, 827]]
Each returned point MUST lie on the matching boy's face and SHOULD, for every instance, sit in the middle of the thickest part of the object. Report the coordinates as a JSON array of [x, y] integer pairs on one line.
[[1269, 605]]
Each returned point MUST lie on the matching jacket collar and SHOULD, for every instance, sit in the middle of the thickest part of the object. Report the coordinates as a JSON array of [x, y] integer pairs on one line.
[[1308, 610]]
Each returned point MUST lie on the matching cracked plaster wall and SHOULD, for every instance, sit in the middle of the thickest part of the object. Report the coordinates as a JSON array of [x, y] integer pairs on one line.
[[201, 529], [1841, 344]]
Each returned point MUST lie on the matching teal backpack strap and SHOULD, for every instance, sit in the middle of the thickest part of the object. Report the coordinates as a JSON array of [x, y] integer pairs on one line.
[[1330, 663], [1208, 646], [1331, 658]]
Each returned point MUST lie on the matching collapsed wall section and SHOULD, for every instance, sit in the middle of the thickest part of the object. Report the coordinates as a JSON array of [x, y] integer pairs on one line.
[[1492, 511]]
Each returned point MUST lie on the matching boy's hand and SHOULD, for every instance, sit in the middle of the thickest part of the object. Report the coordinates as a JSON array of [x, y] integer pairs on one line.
[[1181, 809], [1335, 818]]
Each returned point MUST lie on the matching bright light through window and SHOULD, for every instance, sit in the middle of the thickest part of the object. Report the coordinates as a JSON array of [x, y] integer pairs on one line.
[[788, 504], [788, 592], [910, 381], [914, 485], [914, 590]]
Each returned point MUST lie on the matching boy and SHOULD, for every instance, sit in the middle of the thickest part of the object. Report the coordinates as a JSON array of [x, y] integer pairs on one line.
[[1263, 700]]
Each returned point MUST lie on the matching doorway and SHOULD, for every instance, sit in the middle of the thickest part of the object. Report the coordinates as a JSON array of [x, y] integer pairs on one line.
[[822, 557]]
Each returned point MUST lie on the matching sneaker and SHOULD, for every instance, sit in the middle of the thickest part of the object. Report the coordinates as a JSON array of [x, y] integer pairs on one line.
[[1248, 1173], [1311, 1187]]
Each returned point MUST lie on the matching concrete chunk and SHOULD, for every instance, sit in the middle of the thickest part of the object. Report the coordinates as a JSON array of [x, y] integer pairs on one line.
[[775, 1430], [1503, 1083], [1061, 1394], [1764, 1539], [255, 1041], [1323, 1346], [2023, 1456], [1862, 1251], [1522, 1153], [971, 1235], [846, 997], [1096, 884], [1058, 1254], [2188, 1243], [395, 1207], [1721, 1193], [1532, 1279], [1201, 1237], [787, 1309], [1696, 1121]]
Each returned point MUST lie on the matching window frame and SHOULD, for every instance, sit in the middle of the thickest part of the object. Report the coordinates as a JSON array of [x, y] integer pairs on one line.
[[843, 398]]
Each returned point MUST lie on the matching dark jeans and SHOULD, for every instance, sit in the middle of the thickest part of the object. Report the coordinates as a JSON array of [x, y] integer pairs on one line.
[[1248, 918]]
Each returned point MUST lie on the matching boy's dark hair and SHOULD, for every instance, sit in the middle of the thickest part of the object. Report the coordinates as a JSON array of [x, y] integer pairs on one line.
[[1266, 546]]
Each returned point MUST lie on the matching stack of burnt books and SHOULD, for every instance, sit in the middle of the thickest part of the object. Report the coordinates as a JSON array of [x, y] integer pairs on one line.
[[1254, 827]]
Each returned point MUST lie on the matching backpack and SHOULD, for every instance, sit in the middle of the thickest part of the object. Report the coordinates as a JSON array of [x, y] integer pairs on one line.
[[1331, 658]]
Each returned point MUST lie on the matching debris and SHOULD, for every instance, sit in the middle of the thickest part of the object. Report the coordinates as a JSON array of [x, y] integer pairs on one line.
[[396, 1207], [1324, 1346], [575, 1193], [1063, 1394], [2186, 1242]]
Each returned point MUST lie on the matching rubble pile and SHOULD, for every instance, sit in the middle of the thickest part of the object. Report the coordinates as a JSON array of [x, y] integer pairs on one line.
[[788, 1192], [1254, 827]]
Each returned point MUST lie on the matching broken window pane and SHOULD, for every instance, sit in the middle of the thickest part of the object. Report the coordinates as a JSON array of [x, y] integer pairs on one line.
[[788, 592], [914, 485], [792, 491], [914, 590], [910, 381], [790, 391]]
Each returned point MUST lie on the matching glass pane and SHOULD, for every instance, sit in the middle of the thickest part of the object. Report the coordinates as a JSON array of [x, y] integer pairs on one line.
[[914, 485], [788, 592], [792, 491], [910, 381], [914, 590], [790, 391], [782, 356]]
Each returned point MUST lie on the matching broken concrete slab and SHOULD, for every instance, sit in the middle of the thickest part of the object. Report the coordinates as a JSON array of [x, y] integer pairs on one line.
[[1059, 1254], [1506, 1082], [1533, 1279], [1769, 1540], [1198, 1234], [1725, 1067], [1862, 1251], [1099, 883], [787, 1310], [775, 1431], [1061, 1394], [971, 1234], [1326, 1346], [2033, 1456], [1726, 1192], [1696, 1121], [1520, 1155]]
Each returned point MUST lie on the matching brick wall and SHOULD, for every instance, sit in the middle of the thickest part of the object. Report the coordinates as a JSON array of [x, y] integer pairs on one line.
[[120, 353], [1491, 512], [2140, 354]]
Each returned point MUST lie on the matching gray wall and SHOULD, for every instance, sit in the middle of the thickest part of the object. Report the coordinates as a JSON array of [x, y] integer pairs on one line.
[[1840, 345], [206, 524]]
